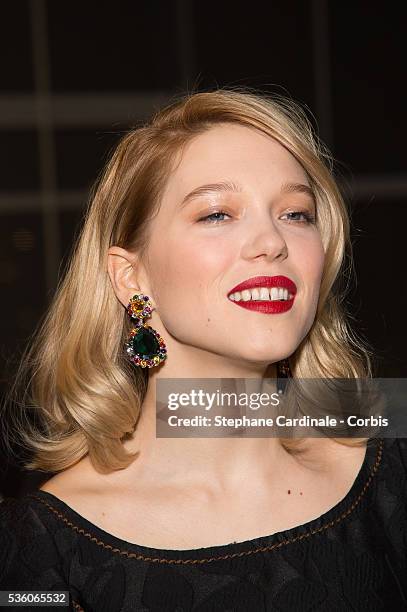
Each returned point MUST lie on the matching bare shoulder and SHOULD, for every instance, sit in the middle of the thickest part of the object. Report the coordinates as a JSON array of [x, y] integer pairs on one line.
[[326, 454], [90, 493], [73, 483], [107, 501]]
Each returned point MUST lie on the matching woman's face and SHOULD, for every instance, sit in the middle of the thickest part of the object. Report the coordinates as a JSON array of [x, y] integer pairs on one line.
[[204, 245]]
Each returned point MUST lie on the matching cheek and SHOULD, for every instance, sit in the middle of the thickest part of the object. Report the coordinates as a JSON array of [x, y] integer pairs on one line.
[[311, 258], [189, 267], [313, 266]]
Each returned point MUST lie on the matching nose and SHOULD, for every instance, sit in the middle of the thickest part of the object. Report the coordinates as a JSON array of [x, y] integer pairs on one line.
[[264, 240]]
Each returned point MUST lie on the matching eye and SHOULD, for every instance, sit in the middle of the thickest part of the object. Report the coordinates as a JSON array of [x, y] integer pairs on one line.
[[307, 217], [209, 218]]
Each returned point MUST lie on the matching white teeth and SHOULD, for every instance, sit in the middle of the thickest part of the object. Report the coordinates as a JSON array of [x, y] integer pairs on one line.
[[261, 293]]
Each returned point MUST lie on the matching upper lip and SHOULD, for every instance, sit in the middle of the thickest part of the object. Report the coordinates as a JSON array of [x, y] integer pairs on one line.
[[266, 281]]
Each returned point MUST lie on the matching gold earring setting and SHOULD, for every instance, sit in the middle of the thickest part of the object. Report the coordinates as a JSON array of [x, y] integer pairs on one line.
[[145, 347]]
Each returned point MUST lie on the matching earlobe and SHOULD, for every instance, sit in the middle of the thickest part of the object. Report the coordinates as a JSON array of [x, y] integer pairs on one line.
[[121, 270]]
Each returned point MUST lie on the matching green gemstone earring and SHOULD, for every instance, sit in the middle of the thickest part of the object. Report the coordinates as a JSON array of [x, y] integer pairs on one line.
[[145, 347]]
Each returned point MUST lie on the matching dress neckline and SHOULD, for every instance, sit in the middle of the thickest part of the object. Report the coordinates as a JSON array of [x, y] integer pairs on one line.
[[333, 516]]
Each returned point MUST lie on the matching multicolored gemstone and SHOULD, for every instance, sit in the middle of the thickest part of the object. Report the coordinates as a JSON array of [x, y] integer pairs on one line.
[[145, 347], [139, 307]]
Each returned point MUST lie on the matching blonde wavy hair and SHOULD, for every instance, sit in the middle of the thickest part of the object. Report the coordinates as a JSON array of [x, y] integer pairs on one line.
[[75, 392]]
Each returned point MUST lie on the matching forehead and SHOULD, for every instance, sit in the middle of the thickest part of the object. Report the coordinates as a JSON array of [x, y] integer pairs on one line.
[[234, 152]]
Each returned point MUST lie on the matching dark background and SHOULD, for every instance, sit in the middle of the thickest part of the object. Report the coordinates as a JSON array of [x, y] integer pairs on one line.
[[74, 75]]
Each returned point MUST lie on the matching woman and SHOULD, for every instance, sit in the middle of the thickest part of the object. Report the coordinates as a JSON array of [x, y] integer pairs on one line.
[[219, 188]]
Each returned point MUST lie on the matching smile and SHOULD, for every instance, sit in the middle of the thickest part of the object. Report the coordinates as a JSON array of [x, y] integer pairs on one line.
[[267, 294]]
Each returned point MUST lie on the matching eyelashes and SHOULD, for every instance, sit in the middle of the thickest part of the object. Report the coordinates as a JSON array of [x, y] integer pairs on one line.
[[308, 218], [208, 219]]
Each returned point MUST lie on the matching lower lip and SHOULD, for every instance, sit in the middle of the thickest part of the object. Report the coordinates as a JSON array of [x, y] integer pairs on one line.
[[266, 307]]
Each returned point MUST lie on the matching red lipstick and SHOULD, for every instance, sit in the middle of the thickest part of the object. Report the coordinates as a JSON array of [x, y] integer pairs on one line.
[[266, 306]]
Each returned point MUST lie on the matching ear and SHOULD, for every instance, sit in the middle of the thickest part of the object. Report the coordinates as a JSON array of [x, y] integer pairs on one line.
[[121, 267]]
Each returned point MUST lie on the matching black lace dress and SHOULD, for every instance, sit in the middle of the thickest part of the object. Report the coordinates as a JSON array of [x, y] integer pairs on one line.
[[353, 557]]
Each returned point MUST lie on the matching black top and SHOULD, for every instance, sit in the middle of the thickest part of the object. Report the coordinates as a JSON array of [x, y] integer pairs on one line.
[[353, 557]]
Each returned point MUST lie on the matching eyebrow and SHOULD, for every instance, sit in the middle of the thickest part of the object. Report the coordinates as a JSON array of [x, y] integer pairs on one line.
[[230, 186], [223, 186], [297, 188]]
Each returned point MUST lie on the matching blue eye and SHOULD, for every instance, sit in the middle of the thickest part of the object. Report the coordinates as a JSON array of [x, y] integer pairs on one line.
[[307, 216], [207, 219]]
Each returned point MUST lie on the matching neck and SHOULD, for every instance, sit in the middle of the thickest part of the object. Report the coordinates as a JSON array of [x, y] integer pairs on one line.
[[224, 462]]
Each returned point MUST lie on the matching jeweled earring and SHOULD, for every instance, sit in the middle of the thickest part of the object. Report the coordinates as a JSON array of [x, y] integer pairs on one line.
[[283, 372], [145, 347], [283, 369]]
